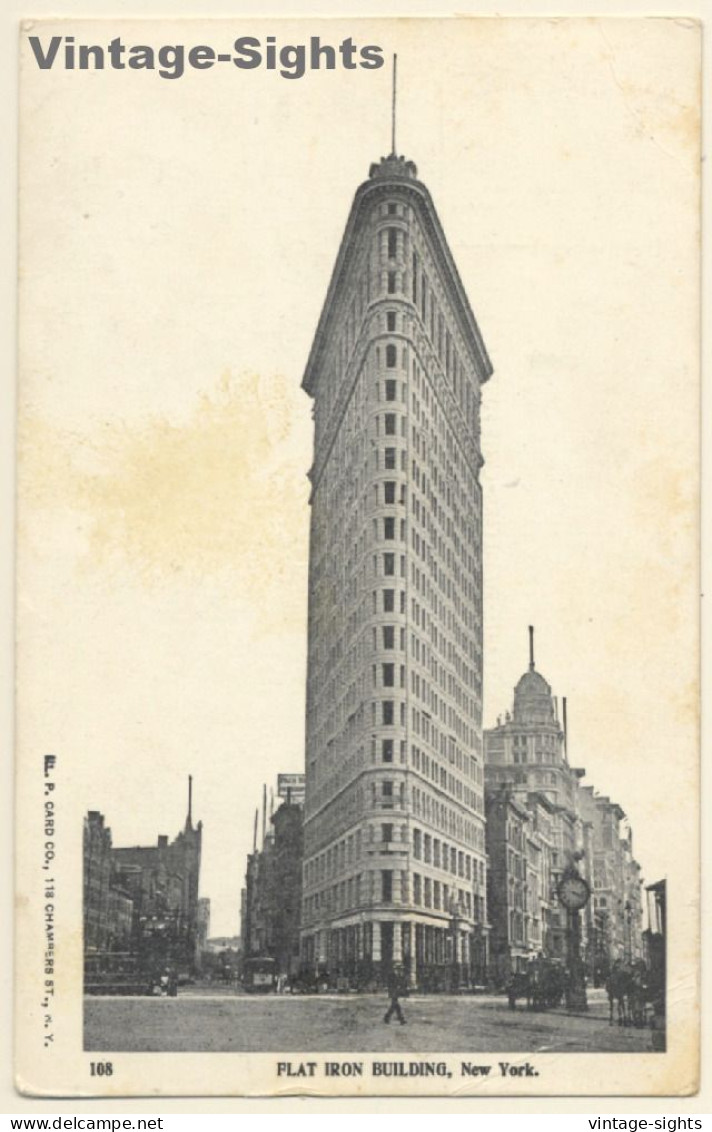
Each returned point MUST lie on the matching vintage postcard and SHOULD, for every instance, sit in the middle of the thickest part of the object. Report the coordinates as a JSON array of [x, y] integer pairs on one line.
[[357, 568]]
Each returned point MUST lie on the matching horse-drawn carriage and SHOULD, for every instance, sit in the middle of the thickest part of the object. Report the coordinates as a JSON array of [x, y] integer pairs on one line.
[[541, 984], [630, 991]]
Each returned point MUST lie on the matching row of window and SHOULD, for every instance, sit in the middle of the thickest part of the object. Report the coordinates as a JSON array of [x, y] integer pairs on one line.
[[388, 886], [337, 660], [429, 893], [391, 637], [392, 280], [430, 768], [351, 795], [424, 297], [438, 853], [390, 460], [441, 816], [340, 716]]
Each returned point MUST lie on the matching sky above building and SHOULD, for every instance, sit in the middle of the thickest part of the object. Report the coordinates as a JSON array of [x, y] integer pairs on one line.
[[179, 267]]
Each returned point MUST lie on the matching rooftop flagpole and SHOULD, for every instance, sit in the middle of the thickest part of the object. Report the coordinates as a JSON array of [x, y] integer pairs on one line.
[[393, 106]]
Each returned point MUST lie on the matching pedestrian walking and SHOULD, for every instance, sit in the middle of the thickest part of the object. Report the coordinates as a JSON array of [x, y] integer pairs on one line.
[[396, 987]]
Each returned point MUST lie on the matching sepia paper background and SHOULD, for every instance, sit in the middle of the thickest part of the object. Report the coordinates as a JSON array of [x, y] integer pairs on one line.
[[177, 240]]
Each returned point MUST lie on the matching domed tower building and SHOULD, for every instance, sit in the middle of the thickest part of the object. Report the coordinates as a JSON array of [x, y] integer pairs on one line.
[[526, 766]]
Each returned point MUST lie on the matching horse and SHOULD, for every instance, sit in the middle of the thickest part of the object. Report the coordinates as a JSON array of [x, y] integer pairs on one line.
[[553, 985], [638, 993], [519, 986], [618, 987], [537, 975]]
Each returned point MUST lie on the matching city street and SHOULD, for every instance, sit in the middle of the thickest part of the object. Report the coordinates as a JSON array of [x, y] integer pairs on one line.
[[209, 1021]]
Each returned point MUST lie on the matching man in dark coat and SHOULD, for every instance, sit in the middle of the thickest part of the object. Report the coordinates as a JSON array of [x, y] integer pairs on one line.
[[396, 988]]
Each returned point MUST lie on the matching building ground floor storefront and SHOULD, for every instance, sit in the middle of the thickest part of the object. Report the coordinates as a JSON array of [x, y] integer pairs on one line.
[[433, 955]]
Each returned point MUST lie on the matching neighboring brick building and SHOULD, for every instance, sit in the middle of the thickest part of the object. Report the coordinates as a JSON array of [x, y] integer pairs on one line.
[[285, 880], [271, 898], [108, 905], [617, 886], [519, 879], [142, 899], [97, 883], [508, 878], [530, 784], [528, 751]]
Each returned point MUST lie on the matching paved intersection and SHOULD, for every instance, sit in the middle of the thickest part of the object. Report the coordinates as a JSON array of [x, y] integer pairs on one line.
[[202, 1020]]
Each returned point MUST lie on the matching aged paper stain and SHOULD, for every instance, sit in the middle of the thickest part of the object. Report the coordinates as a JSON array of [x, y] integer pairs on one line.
[[218, 495]]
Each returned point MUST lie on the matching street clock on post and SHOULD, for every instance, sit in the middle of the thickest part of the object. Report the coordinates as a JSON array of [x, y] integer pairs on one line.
[[573, 891]]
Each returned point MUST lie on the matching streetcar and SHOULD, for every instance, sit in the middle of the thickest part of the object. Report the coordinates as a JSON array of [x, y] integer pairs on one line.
[[259, 974], [115, 972]]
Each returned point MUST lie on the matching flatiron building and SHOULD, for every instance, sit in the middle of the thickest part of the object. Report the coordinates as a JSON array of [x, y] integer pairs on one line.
[[395, 865]]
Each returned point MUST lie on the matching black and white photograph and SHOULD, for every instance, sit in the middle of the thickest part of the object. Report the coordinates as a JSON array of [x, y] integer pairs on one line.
[[357, 568]]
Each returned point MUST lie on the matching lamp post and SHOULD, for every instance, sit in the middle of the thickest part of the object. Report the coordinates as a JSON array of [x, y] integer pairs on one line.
[[477, 958], [574, 893], [603, 959], [456, 912]]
